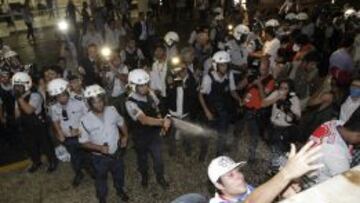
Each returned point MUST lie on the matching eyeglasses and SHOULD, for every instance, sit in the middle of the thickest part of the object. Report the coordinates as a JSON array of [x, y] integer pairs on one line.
[[64, 115]]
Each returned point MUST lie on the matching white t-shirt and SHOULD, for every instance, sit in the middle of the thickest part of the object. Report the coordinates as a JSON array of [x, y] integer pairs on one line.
[[336, 155], [271, 48], [348, 108], [279, 117], [102, 130], [158, 77]]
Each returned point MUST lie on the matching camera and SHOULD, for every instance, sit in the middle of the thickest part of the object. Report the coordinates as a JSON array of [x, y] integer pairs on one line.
[[253, 74], [285, 105]]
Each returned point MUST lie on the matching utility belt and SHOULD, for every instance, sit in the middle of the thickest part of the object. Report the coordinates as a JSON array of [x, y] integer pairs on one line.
[[118, 154]]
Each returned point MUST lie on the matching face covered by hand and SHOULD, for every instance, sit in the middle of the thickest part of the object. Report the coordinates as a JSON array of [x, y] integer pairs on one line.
[[19, 90]]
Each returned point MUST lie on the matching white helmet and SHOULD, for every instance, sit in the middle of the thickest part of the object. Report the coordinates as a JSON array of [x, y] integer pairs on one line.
[[93, 91], [138, 77], [349, 12], [57, 86], [22, 78], [218, 10], [290, 16], [240, 30], [302, 16], [10, 54], [221, 57], [272, 23], [171, 37], [219, 17]]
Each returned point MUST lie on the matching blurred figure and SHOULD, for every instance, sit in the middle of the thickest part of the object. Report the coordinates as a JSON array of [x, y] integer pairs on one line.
[[140, 31], [86, 18], [132, 55], [91, 36], [28, 19]]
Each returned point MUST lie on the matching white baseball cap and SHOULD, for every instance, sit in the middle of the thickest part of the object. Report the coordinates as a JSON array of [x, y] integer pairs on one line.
[[220, 166]]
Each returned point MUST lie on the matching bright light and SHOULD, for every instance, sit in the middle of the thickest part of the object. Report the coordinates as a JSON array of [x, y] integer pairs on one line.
[[230, 27], [333, 1], [175, 60], [63, 25], [106, 52]]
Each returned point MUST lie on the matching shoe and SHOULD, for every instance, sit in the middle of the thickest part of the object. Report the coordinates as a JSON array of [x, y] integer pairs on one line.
[[77, 179], [144, 181], [124, 197], [102, 200], [162, 182], [52, 166], [34, 167]]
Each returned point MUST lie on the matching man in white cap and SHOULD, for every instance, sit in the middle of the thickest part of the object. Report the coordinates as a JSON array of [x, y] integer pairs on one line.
[[231, 185]]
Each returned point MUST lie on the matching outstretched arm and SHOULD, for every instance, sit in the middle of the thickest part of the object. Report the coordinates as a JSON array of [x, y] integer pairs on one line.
[[298, 164]]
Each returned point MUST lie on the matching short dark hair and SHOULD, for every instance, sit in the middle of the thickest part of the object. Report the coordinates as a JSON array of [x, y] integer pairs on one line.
[[217, 190], [92, 45], [353, 123], [301, 39], [312, 56], [270, 31], [55, 68]]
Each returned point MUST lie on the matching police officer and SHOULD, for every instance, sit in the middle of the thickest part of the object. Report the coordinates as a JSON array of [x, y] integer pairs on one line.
[[65, 116], [215, 100], [181, 100], [171, 39], [146, 125], [239, 47], [99, 133], [29, 110]]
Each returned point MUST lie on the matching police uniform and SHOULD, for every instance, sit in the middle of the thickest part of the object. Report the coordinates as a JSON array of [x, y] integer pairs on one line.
[[216, 91], [104, 131], [238, 53], [69, 117], [146, 138], [34, 129]]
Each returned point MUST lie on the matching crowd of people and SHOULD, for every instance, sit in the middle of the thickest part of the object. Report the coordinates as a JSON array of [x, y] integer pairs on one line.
[[289, 77]]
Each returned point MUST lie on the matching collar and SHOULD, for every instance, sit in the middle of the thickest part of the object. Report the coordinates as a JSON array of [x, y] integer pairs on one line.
[[6, 87], [238, 198]]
